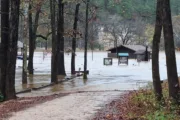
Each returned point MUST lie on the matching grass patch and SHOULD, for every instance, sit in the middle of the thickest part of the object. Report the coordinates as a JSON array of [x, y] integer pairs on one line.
[[143, 106]]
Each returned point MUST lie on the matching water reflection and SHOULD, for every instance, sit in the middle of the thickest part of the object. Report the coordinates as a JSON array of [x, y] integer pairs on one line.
[[85, 81], [73, 83], [57, 87], [61, 77], [31, 78], [117, 76], [35, 81], [24, 86]]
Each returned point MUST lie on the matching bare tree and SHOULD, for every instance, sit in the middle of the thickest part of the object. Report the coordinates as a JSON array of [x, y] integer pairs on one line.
[[9, 38], [32, 33], [155, 52], [170, 52], [60, 38], [25, 36], [74, 39], [86, 40], [12, 50], [54, 41], [176, 28], [122, 31], [4, 43]]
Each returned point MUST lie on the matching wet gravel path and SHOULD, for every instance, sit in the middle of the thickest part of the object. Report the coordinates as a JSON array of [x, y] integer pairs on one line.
[[75, 106]]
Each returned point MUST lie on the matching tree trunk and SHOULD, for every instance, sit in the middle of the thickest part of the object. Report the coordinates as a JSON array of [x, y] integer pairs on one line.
[[4, 43], [54, 51], [32, 37], [146, 54], [60, 39], [170, 52], [86, 40], [115, 42], [155, 52], [12, 50], [46, 45], [74, 39], [31, 42], [106, 2], [24, 72], [116, 48]]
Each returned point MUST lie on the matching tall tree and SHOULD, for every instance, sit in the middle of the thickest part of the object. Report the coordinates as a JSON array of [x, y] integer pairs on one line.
[[74, 39], [54, 49], [4, 42], [170, 51], [24, 71], [12, 50], [106, 4], [86, 40], [60, 38], [31, 42], [9, 38], [32, 34], [155, 51]]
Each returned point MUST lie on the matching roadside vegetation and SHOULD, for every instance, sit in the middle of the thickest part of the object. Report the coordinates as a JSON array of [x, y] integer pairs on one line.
[[141, 105]]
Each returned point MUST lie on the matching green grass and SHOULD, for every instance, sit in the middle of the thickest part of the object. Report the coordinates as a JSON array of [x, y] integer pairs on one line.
[[143, 106]]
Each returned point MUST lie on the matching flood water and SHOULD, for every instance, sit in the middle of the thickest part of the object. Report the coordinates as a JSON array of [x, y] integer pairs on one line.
[[101, 77]]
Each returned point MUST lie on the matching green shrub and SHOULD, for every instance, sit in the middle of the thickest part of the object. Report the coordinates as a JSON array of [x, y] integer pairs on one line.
[[144, 106]]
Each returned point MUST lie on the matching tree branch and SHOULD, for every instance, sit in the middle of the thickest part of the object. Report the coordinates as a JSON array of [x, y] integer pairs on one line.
[[41, 36]]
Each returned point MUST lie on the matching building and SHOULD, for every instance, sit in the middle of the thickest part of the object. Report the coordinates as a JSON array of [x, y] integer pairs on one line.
[[134, 51], [20, 47]]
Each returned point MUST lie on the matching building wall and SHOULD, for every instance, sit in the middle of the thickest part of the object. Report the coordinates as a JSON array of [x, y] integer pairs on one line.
[[124, 50], [142, 57]]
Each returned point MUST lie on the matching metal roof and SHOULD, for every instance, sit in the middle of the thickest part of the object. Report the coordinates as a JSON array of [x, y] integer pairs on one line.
[[140, 52], [133, 47]]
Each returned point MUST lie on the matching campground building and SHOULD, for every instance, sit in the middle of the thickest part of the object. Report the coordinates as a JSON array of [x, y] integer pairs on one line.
[[134, 51]]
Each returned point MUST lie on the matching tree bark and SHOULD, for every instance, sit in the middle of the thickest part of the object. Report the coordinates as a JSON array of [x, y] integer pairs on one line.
[[74, 39], [170, 52], [86, 40], [24, 71], [54, 50], [12, 50], [155, 52], [32, 36], [106, 2], [146, 58], [4, 43], [31, 42], [60, 39], [46, 45]]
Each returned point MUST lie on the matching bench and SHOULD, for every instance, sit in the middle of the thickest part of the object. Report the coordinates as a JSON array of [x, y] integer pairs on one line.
[[78, 72]]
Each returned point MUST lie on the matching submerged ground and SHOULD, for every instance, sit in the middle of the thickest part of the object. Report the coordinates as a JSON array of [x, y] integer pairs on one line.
[[86, 96], [125, 77]]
